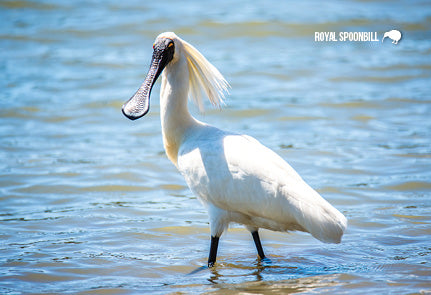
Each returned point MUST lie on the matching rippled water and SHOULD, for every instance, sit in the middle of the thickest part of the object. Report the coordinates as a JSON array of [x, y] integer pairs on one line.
[[90, 204]]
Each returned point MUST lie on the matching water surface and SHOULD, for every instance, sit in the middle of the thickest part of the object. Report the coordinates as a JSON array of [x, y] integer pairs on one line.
[[89, 203]]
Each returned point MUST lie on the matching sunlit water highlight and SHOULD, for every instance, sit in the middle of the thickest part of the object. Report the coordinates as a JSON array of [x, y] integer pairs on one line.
[[90, 204]]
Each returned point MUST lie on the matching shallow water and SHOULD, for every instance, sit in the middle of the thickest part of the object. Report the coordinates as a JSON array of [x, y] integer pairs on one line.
[[90, 204]]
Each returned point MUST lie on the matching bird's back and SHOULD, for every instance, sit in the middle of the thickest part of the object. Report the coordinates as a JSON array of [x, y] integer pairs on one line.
[[238, 174]]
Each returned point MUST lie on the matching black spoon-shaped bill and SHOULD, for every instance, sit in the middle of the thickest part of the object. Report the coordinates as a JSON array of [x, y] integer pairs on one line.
[[139, 104]]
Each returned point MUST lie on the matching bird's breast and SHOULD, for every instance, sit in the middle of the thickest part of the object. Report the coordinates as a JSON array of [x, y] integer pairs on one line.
[[171, 149]]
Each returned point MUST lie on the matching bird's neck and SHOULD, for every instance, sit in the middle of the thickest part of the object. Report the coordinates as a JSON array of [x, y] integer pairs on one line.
[[174, 113]]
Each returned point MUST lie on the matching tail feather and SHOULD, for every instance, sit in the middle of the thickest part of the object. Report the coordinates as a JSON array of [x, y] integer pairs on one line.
[[323, 221]]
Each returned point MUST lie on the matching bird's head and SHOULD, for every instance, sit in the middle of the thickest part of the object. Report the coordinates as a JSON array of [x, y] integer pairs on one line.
[[163, 53], [204, 78]]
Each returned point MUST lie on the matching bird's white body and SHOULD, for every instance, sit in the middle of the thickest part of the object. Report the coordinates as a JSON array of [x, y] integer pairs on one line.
[[235, 177], [242, 181]]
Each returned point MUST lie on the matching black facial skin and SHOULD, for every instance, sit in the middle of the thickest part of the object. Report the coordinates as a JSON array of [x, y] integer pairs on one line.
[[139, 104]]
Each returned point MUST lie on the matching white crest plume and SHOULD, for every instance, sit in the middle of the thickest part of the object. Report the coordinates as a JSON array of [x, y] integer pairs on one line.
[[204, 78]]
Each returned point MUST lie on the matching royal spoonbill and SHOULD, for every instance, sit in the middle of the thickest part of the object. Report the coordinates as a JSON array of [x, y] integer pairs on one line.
[[236, 177]]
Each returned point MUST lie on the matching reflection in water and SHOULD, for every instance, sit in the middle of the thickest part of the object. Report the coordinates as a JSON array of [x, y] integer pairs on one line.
[[214, 276], [301, 284]]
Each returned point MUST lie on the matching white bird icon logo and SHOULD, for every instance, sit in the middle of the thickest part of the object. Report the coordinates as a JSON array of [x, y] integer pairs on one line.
[[395, 35]]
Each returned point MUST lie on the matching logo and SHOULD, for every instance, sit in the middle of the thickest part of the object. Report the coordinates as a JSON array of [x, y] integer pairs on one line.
[[394, 35]]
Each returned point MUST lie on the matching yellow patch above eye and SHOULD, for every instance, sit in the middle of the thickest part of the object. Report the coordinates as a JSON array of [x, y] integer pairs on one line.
[[170, 45]]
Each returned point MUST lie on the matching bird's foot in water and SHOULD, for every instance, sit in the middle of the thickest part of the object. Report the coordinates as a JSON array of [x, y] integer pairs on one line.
[[265, 261]]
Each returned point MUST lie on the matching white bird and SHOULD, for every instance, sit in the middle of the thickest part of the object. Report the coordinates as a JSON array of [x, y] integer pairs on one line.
[[236, 177]]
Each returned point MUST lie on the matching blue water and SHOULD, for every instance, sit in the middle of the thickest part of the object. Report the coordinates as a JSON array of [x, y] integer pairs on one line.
[[89, 203]]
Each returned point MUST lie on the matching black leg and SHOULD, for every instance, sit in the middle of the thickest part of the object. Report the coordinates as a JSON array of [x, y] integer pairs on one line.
[[213, 251], [259, 248]]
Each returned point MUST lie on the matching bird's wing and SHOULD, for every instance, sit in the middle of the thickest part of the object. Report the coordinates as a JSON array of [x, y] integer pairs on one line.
[[237, 173]]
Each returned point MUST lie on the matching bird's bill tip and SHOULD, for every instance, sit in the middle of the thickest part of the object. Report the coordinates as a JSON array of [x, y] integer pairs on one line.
[[133, 115]]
